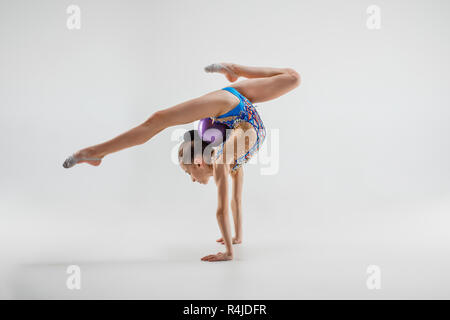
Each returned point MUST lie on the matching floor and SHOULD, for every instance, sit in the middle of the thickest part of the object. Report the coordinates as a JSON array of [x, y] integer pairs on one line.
[[261, 271]]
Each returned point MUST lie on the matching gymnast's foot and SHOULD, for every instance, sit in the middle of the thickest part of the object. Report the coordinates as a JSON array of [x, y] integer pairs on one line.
[[81, 156], [224, 68], [235, 240]]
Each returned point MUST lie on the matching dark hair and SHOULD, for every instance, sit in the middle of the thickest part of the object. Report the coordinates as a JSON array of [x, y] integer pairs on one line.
[[192, 146]]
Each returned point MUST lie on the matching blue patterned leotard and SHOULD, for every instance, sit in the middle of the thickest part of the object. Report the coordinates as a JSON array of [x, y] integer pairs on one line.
[[244, 111]]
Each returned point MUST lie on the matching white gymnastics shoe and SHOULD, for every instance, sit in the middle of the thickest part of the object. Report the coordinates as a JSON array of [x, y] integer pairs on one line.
[[222, 68], [73, 160]]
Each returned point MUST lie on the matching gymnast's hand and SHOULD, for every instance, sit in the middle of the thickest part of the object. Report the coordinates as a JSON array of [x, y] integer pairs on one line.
[[220, 256], [236, 240]]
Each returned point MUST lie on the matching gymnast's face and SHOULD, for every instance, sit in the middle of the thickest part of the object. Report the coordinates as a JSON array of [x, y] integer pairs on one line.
[[199, 171]]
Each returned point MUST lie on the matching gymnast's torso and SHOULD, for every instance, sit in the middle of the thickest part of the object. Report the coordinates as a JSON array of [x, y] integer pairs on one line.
[[248, 130]]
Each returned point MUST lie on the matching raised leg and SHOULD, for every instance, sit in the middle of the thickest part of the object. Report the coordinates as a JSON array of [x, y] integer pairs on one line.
[[264, 83], [208, 105]]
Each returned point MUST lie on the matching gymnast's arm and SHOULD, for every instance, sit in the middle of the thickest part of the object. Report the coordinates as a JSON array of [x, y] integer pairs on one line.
[[221, 178], [236, 203], [221, 172]]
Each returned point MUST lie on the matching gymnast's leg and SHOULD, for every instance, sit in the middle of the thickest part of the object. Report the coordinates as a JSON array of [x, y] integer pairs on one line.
[[208, 105], [262, 84]]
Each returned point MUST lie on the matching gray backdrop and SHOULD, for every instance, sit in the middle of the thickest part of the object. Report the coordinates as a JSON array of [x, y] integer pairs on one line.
[[363, 174]]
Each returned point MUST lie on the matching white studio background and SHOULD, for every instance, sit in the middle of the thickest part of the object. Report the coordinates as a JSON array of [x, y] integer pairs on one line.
[[364, 155]]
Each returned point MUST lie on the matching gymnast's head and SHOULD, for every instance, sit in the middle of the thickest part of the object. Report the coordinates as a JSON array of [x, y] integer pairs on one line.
[[194, 157]]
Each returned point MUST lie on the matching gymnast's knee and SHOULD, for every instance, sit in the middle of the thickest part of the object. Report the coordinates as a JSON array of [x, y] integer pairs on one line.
[[156, 118], [294, 75]]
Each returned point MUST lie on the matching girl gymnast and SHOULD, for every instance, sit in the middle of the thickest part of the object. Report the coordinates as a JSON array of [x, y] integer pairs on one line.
[[231, 106]]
